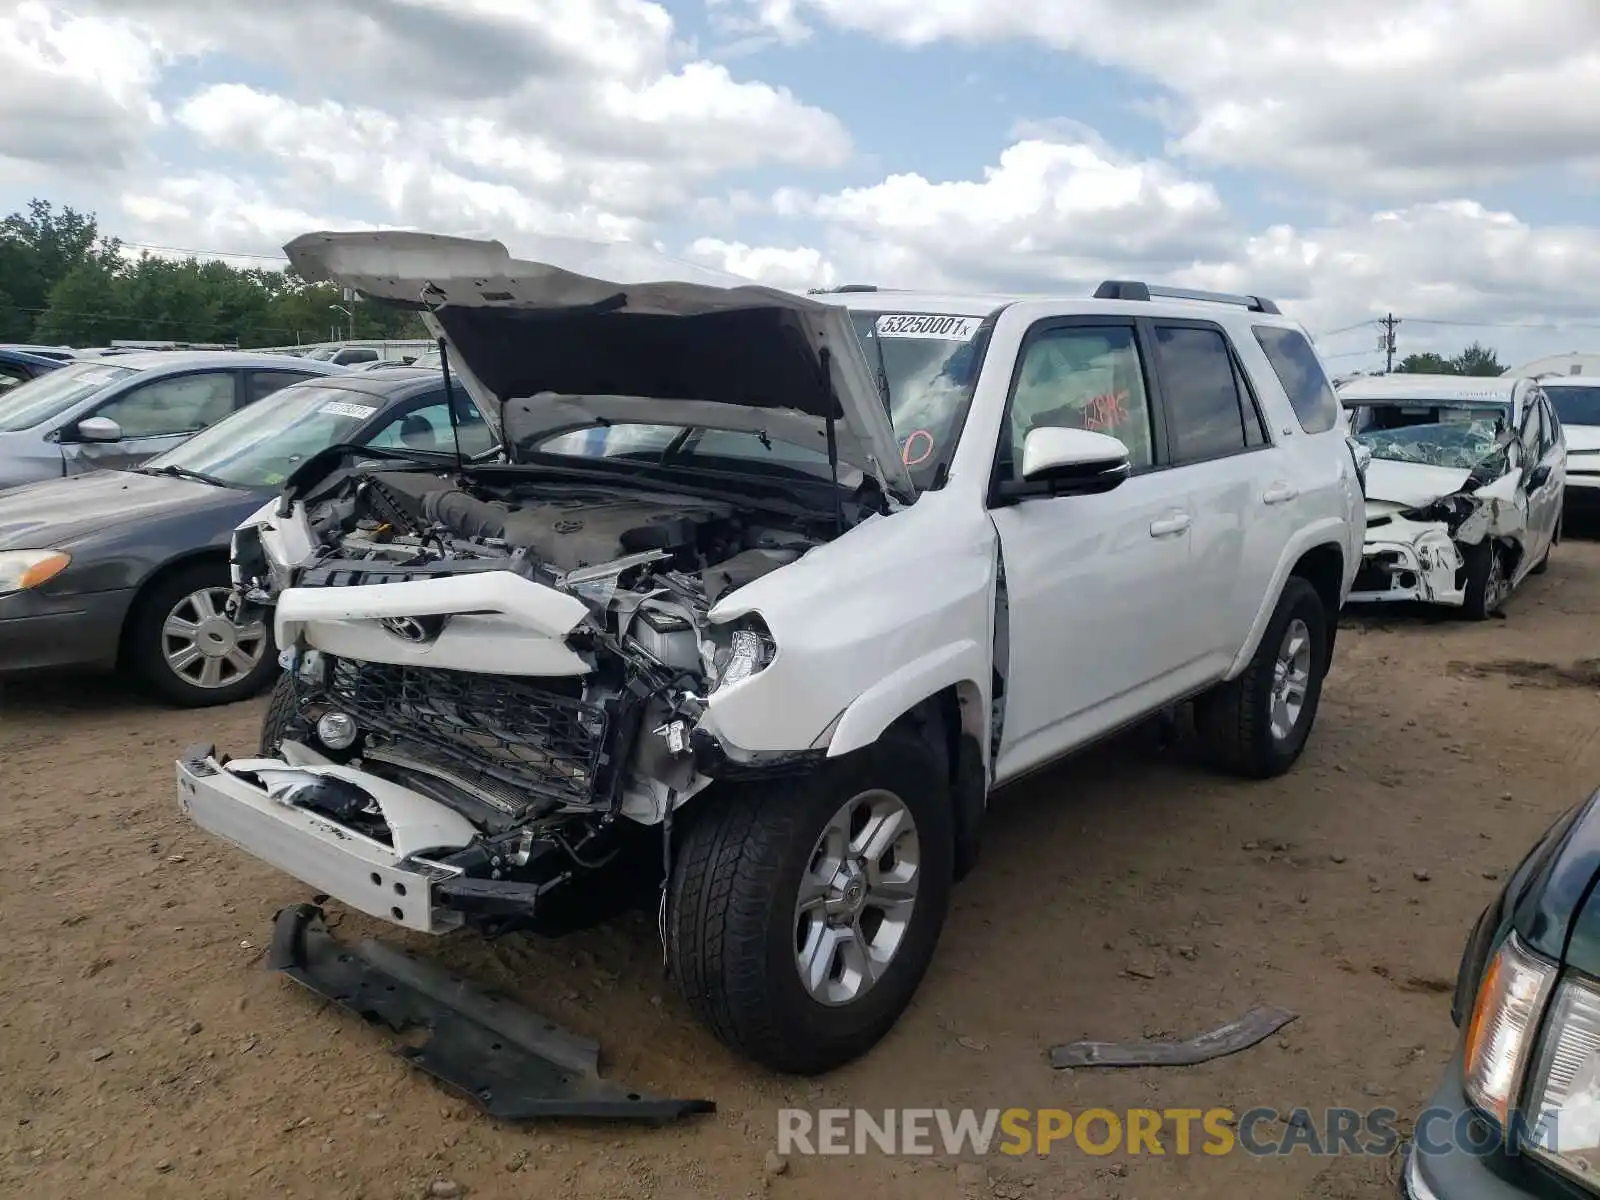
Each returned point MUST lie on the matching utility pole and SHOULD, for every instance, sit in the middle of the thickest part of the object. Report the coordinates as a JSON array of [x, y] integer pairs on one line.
[[1386, 341]]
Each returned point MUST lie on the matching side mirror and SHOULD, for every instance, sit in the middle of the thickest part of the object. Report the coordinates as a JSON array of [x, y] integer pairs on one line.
[[1069, 462], [99, 429]]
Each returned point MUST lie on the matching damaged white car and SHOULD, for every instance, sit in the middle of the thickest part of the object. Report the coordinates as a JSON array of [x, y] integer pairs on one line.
[[1464, 490], [769, 595]]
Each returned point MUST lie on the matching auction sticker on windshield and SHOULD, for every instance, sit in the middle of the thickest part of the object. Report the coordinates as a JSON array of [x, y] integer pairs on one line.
[[341, 408], [928, 325]]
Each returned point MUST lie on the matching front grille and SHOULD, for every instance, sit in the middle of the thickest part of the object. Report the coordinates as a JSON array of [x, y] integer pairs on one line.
[[489, 729]]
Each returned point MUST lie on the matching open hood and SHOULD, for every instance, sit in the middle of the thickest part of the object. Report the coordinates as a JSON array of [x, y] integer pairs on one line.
[[617, 332]]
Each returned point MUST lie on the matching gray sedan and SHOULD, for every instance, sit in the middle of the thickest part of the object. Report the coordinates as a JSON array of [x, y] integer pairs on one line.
[[130, 568], [119, 411]]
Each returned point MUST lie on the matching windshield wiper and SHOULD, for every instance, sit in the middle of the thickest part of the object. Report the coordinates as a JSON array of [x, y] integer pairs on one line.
[[178, 472]]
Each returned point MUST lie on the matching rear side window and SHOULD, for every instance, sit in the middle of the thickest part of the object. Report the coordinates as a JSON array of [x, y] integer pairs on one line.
[[1205, 411], [1300, 372], [260, 384]]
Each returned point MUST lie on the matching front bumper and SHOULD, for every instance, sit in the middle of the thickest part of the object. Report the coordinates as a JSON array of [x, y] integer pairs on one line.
[[334, 860], [1440, 1165], [1423, 568], [42, 632]]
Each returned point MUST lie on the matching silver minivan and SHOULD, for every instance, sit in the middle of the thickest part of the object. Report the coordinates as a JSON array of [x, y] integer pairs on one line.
[[116, 412]]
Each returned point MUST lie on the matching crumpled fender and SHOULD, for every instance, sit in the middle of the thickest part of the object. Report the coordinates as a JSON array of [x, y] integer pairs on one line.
[[877, 708]]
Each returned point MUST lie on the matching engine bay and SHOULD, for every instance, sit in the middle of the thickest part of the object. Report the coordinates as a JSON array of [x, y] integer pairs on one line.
[[582, 538], [647, 564]]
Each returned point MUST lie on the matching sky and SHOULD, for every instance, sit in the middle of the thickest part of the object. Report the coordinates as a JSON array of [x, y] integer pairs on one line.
[[1434, 159]]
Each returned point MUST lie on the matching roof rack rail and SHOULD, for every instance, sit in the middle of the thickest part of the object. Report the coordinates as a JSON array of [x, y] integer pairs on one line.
[[842, 288], [1131, 289]]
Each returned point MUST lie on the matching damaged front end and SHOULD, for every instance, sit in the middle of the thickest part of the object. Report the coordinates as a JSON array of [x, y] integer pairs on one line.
[[496, 689], [1422, 551]]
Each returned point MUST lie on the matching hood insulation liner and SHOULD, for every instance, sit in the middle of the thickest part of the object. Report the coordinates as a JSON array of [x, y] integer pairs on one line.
[[756, 357]]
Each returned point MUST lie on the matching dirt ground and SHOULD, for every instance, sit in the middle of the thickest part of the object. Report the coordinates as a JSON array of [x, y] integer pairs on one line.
[[146, 1051]]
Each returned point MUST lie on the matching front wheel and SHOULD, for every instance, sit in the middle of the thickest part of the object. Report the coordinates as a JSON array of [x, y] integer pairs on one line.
[[804, 913], [184, 646], [1257, 724], [1488, 584]]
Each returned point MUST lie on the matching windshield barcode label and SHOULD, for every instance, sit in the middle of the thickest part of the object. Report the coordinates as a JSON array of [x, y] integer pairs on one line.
[[928, 325]]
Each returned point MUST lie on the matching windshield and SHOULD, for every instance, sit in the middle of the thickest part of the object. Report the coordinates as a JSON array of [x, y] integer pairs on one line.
[[664, 445], [259, 446], [929, 363], [322, 353], [1575, 405], [1433, 435], [39, 400]]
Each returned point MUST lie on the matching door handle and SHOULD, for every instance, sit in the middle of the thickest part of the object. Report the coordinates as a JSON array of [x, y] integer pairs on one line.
[[1280, 493], [1167, 526]]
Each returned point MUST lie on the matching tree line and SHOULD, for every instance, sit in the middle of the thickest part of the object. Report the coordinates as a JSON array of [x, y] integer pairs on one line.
[[63, 282], [1474, 360]]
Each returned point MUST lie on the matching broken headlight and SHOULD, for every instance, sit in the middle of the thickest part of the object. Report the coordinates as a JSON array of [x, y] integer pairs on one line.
[[742, 650]]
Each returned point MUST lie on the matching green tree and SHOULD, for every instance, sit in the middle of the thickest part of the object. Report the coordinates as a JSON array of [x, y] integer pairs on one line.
[[1425, 364], [61, 281], [1477, 360], [38, 249]]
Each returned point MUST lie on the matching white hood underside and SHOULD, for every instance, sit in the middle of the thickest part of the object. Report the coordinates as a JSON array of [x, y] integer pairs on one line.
[[456, 277]]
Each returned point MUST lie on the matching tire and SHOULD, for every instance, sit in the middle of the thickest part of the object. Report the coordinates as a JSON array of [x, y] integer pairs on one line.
[[280, 711], [735, 927], [148, 641], [1485, 591], [1235, 719]]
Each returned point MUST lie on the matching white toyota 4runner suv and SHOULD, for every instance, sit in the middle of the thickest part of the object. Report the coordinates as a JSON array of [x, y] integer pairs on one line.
[[765, 597]]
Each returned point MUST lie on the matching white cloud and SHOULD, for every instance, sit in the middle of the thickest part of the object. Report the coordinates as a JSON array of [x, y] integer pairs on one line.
[[1057, 218], [506, 117], [532, 115], [1048, 210], [796, 268], [75, 93], [1397, 96]]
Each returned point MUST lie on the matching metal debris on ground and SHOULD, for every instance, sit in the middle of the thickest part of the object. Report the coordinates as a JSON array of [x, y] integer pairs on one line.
[[512, 1063], [1259, 1023]]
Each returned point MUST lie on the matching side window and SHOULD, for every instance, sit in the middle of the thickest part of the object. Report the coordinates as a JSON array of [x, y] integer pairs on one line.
[[1255, 428], [1205, 411], [355, 354], [10, 376], [1552, 425], [1080, 377], [1531, 432], [1299, 370], [260, 384], [183, 404], [427, 427]]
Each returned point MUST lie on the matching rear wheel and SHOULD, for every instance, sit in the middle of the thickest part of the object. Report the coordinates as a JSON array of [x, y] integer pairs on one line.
[[1257, 724], [804, 914], [184, 646]]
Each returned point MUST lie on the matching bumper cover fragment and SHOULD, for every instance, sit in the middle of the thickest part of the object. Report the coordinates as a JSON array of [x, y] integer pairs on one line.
[[510, 1062]]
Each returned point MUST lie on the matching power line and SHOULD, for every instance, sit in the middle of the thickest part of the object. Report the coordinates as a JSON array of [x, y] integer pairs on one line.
[[192, 252]]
